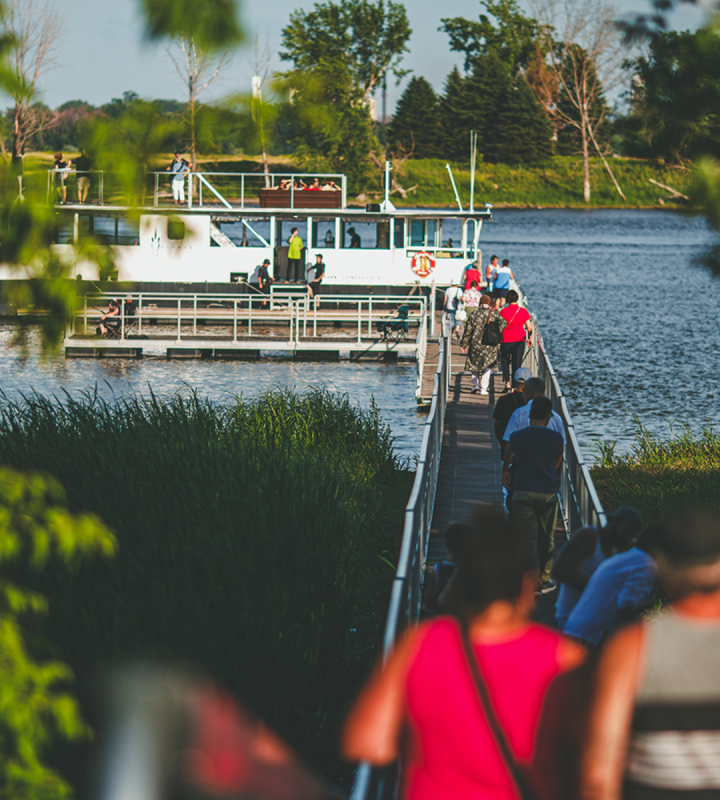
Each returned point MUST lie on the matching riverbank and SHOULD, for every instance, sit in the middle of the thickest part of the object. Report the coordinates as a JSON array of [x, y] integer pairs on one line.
[[555, 183], [256, 542], [660, 476]]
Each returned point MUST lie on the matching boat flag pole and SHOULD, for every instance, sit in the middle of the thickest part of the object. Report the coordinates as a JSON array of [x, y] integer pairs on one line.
[[387, 204], [473, 161], [452, 180]]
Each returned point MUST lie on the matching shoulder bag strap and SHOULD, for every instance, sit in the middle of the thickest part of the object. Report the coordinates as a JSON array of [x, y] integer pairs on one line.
[[517, 772]]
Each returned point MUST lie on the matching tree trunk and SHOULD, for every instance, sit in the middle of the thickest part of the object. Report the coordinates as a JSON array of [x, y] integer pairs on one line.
[[193, 153], [17, 134], [586, 162], [266, 167]]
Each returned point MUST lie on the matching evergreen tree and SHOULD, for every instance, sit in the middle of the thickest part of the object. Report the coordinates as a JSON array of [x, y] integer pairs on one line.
[[485, 87], [416, 126], [522, 130], [455, 117]]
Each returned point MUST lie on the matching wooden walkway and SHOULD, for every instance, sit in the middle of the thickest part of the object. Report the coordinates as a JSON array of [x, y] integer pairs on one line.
[[470, 465]]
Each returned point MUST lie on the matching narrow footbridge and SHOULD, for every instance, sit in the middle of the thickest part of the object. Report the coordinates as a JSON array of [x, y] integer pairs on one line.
[[459, 467]]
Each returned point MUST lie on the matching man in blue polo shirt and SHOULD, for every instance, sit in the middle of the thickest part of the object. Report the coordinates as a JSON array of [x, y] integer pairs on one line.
[[537, 453]]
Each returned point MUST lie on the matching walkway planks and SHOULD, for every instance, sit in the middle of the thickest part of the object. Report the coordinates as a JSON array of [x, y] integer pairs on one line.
[[470, 468]]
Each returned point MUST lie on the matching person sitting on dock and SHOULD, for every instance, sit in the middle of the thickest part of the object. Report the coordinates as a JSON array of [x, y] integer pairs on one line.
[[396, 326], [536, 452], [112, 315], [585, 550], [481, 357], [507, 404]]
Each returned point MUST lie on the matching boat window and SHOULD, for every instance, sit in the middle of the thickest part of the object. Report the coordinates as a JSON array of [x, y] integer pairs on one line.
[[365, 235], [248, 231], [175, 229], [450, 238], [105, 229], [422, 232], [285, 226], [400, 233], [324, 233]]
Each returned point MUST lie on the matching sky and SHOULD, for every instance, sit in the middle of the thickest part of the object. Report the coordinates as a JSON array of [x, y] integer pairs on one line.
[[101, 53]]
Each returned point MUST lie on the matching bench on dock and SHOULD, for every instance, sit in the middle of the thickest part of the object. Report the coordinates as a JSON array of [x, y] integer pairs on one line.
[[301, 198]]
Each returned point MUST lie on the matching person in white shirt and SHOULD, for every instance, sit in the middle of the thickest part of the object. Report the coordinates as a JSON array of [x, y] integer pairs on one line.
[[535, 387], [451, 305]]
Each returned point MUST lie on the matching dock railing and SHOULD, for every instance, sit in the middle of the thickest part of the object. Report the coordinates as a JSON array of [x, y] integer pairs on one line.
[[578, 497], [404, 606]]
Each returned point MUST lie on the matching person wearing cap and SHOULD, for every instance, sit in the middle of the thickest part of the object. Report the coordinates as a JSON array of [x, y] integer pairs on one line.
[[179, 167], [319, 269], [263, 278], [618, 587], [507, 404], [654, 721], [451, 303], [586, 549]]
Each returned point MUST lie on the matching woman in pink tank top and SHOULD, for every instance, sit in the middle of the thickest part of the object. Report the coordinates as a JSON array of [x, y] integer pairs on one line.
[[423, 706]]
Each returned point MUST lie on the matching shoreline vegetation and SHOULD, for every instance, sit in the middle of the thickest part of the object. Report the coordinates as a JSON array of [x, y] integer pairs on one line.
[[554, 183], [255, 542], [660, 476]]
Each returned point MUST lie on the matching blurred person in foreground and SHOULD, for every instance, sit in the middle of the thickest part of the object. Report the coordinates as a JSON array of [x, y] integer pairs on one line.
[[586, 549], [654, 728], [425, 703]]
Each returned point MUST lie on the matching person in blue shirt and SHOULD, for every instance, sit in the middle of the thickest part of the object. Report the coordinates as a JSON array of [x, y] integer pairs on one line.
[[536, 452]]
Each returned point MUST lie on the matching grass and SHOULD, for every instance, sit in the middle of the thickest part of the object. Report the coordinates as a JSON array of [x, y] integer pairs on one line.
[[555, 183], [253, 543], [660, 476]]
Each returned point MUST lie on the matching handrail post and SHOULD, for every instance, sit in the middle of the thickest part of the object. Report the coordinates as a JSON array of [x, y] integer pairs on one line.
[[190, 190], [194, 315], [178, 319], [242, 191], [235, 321], [101, 191], [157, 190]]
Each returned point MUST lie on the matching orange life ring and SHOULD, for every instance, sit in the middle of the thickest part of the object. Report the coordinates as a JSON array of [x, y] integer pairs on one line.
[[422, 264]]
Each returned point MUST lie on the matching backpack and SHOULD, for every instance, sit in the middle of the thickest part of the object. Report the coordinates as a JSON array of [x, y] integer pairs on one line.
[[491, 334]]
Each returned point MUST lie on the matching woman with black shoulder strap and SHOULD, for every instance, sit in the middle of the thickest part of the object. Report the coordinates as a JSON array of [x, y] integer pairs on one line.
[[480, 341], [463, 700]]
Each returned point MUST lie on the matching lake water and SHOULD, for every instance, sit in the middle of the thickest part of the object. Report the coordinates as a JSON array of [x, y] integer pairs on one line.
[[630, 323]]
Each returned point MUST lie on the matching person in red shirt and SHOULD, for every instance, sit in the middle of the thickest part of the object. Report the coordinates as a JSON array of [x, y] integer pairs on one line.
[[513, 337], [472, 273]]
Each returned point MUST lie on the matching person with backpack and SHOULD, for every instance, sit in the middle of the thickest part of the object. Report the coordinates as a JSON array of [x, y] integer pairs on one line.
[[451, 305], [483, 332], [512, 349]]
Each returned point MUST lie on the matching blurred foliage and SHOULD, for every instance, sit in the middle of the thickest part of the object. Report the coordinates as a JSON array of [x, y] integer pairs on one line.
[[35, 706], [214, 24]]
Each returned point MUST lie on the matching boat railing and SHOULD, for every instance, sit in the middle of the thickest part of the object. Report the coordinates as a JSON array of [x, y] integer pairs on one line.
[[578, 497], [178, 316], [404, 606], [231, 190]]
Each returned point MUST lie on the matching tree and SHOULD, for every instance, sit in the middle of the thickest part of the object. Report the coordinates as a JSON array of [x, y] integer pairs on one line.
[[33, 30], [198, 67], [416, 127], [455, 114], [510, 35], [367, 37], [35, 705], [585, 61]]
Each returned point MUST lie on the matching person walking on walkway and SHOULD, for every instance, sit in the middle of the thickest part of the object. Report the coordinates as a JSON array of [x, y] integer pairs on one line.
[[506, 405], [585, 550], [536, 452], [481, 355], [501, 277], [534, 387], [451, 304], [512, 348], [654, 727], [468, 701]]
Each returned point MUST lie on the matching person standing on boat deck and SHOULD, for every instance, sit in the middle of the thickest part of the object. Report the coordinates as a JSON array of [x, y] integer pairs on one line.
[[537, 453], [294, 256], [654, 726], [314, 286], [585, 550], [179, 168], [264, 279], [472, 273], [488, 273], [512, 348], [82, 166], [453, 297], [60, 167], [480, 357], [354, 239], [501, 277], [506, 405]]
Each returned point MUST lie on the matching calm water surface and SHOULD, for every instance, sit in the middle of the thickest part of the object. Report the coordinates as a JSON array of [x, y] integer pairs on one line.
[[630, 324]]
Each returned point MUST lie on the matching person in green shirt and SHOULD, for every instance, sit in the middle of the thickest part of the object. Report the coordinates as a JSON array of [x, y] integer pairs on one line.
[[295, 256]]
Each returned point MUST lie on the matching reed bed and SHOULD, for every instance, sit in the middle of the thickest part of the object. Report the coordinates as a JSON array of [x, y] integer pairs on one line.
[[660, 476], [253, 538]]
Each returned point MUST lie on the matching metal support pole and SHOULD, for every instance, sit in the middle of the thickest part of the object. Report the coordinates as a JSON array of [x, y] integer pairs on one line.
[[157, 190], [194, 315], [178, 321]]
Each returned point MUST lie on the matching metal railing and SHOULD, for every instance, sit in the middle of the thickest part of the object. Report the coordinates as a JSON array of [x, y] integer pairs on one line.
[[578, 497], [404, 606], [227, 189]]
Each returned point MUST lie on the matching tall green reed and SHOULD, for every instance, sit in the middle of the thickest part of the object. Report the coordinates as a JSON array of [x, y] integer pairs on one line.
[[250, 538]]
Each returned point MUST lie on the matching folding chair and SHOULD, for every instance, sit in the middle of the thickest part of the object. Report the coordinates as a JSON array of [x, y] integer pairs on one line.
[[395, 329]]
